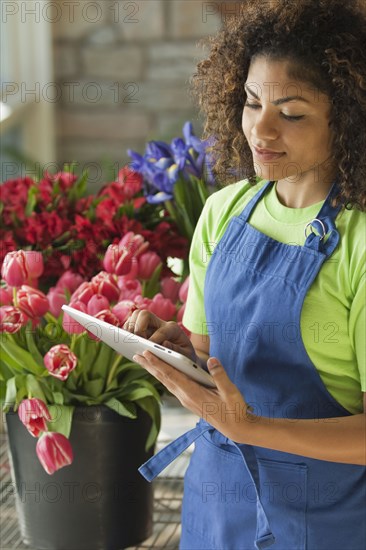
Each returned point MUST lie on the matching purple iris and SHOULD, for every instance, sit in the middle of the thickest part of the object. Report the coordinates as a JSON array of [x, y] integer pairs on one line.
[[162, 164]]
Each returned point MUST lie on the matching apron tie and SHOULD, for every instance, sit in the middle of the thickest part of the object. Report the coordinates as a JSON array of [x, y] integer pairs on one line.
[[150, 469], [155, 465]]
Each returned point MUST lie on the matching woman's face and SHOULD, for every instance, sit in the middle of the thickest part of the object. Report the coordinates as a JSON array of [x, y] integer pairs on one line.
[[286, 124]]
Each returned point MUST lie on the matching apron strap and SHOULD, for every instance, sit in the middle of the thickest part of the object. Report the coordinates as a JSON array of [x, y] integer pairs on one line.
[[165, 456], [155, 465], [264, 536], [321, 233]]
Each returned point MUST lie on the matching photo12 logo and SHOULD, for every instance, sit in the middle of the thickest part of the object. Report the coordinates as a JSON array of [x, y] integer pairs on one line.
[[70, 11]]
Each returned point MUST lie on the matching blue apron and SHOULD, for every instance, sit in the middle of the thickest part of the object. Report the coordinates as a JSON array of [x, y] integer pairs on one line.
[[241, 497]]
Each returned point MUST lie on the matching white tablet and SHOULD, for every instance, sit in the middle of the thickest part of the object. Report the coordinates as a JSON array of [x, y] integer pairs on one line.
[[129, 344]]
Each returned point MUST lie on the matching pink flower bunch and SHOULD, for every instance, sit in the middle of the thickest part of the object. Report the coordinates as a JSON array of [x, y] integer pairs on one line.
[[53, 449], [112, 295]]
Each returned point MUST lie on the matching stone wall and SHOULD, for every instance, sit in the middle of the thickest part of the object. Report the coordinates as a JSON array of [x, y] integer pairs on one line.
[[123, 68]]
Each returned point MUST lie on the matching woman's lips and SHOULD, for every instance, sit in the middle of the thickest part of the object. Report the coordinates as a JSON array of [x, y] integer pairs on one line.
[[264, 154]]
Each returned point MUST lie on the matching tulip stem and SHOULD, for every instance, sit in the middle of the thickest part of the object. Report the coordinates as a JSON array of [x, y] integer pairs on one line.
[[15, 297], [113, 370]]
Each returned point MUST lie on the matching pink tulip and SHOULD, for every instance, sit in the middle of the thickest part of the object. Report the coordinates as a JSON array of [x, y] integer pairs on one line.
[[183, 293], [56, 298], [118, 258], [170, 288], [148, 262], [69, 324], [162, 307], [54, 451], [130, 288], [96, 304], [32, 302], [83, 293], [106, 284], [60, 361], [34, 261], [143, 302], [34, 414], [69, 280], [123, 310], [6, 296], [109, 317], [21, 266], [11, 319]]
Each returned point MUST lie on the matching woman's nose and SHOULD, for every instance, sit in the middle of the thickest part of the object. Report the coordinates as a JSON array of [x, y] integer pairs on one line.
[[265, 126]]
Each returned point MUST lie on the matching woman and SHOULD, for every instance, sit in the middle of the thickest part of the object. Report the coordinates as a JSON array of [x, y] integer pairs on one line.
[[277, 288]]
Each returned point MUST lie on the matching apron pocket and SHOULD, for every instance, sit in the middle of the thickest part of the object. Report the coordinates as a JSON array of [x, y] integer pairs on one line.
[[219, 503], [283, 490]]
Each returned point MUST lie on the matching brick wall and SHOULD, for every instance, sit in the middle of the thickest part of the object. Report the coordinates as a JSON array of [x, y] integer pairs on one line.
[[122, 68]]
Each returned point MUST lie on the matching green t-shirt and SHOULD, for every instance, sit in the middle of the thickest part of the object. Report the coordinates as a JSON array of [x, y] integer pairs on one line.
[[333, 318]]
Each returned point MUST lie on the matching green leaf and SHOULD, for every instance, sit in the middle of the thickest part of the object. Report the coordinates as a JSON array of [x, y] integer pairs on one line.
[[138, 393], [61, 419], [124, 409], [34, 388], [58, 397], [32, 200], [33, 348], [11, 393], [103, 362], [149, 405], [94, 388], [21, 358]]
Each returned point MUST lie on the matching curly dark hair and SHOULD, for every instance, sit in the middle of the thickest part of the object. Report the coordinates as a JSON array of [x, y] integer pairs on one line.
[[325, 43]]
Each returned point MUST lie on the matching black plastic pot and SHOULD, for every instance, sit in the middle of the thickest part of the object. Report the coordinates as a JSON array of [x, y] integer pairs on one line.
[[100, 501]]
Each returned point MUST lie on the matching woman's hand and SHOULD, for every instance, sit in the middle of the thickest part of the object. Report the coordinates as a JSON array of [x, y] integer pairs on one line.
[[166, 333], [224, 407]]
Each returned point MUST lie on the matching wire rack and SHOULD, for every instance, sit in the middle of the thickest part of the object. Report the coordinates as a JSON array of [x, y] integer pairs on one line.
[[168, 492]]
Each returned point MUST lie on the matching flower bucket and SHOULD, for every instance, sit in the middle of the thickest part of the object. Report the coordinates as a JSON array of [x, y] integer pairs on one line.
[[100, 501]]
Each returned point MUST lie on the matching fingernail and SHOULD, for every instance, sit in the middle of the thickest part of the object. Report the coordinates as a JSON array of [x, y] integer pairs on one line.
[[213, 363]]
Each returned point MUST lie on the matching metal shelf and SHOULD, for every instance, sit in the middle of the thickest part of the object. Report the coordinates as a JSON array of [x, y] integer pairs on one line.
[[168, 491]]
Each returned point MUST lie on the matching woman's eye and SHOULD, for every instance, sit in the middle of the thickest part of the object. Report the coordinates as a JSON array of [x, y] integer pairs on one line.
[[288, 117], [252, 105]]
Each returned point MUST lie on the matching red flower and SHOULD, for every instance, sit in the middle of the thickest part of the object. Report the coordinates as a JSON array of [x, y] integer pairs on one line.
[[60, 361], [130, 181], [11, 319], [34, 414], [32, 302], [14, 196], [41, 229], [64, 179], [54, 451]]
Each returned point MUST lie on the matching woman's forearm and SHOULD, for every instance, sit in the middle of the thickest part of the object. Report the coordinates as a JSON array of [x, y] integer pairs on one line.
[[340, 439]]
